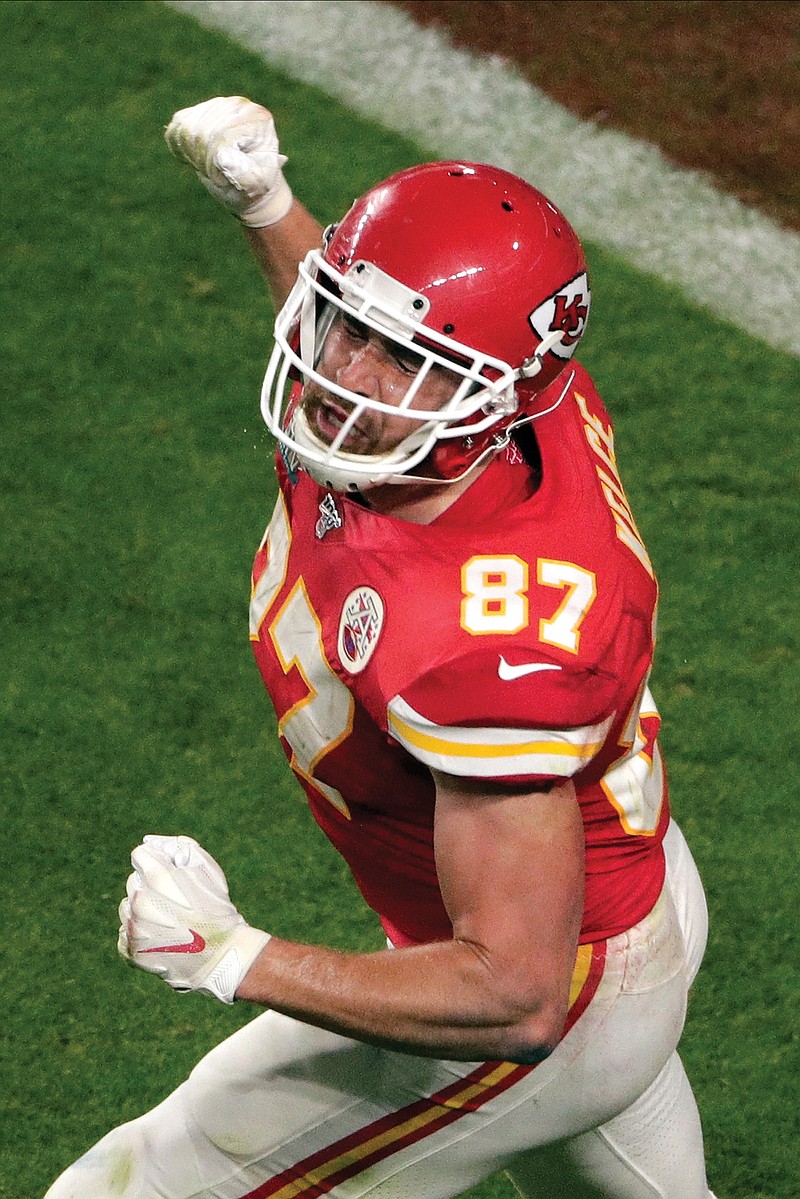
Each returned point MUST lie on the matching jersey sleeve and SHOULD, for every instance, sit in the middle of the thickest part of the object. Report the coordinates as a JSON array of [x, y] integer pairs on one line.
[[506, 715]]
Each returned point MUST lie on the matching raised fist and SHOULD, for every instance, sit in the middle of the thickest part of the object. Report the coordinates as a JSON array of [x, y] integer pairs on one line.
[[232, 144]]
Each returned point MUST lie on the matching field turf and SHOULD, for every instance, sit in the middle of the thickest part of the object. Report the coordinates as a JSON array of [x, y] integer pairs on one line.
[[136, 482]]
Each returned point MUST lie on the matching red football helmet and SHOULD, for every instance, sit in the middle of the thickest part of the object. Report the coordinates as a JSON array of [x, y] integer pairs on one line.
[[462, 267]]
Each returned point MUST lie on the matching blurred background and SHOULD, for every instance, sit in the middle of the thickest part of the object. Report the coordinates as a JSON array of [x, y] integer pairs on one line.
[[137, 481]]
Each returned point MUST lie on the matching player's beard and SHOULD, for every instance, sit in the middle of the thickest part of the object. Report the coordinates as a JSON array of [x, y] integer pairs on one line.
[[327, 413]]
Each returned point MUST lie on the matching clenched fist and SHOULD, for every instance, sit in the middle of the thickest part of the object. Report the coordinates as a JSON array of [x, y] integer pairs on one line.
[[232, 144], [178, 920]]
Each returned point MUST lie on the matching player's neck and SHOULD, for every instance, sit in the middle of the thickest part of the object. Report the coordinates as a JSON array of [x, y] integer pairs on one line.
[[419, 503]]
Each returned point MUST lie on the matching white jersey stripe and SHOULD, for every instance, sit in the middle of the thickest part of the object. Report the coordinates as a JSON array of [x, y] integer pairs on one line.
[[494, 752]]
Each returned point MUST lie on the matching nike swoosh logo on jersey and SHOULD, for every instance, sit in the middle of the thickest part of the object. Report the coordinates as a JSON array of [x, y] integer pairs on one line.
[[508, 672], [196, 945]]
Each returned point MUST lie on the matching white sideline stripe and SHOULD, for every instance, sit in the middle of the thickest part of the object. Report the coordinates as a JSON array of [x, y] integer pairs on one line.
[[619, 193]]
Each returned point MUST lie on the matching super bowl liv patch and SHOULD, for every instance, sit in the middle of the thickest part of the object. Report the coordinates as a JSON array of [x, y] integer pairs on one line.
[[359, 628]]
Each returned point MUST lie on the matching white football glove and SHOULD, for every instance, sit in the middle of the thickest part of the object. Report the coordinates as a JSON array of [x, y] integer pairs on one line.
[[232, 145], [178, 920]]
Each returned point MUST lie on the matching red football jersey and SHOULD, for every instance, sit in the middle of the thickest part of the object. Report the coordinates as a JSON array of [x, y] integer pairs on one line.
[[511, 638]]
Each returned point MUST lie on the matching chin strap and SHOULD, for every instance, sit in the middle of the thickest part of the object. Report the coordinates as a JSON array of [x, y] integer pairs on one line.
[[527, 420], [533, 365], [499, 441]]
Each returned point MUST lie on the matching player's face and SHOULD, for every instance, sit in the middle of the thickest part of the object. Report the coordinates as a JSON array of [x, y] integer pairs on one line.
[[368, 364]]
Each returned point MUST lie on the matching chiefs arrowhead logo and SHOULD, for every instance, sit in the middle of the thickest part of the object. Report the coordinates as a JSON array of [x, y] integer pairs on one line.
[[567, 311], [570, 317]]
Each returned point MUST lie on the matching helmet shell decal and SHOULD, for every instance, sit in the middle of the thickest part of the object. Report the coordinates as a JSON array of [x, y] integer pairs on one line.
[[360, 627], [567, 311]]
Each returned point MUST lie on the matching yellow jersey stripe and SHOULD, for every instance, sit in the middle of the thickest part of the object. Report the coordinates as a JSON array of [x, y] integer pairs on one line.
[[459, 749], [494, 752]]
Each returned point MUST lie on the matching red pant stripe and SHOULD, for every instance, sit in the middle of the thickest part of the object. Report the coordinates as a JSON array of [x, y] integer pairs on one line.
[[320, 1172]]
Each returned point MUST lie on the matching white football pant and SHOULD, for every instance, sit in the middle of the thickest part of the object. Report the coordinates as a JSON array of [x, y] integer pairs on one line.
[[282, 1110]]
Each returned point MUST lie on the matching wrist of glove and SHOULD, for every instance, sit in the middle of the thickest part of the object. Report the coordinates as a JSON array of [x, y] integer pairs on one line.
[[178, 920], [232, 145]]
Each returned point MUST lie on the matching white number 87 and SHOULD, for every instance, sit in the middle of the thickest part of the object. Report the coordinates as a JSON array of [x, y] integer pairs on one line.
[[496, 597]]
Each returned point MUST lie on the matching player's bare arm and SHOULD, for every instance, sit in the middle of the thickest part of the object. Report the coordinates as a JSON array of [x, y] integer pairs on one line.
[[498, 989], [519, 924], [232, 145], [279, 248]]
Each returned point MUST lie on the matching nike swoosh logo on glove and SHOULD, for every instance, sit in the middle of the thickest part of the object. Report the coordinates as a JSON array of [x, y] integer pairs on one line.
[[196, 945], [508, 673]]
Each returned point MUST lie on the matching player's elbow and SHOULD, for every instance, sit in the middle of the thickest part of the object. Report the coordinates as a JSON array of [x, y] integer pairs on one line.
[[530, 1056], [531, 1018], [524, 1005], [533, 1038]]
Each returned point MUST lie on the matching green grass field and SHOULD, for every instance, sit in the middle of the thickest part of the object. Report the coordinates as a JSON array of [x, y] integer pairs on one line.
[[136, 482]]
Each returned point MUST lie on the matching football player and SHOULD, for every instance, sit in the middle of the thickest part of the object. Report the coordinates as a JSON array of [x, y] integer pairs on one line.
[[453, 612]]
